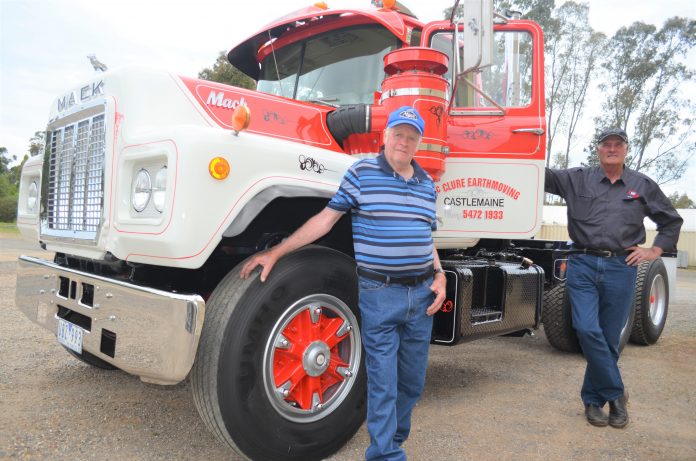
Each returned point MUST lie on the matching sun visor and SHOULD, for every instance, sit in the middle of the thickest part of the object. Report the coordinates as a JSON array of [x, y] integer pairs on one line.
[[244, 55]]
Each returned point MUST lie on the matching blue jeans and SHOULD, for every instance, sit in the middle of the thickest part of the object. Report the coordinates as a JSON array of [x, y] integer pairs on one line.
[[601, 292], [396, 335]]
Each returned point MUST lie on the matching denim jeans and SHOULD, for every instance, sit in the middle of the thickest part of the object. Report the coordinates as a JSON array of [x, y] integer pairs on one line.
[[601, 292], [396, 335]]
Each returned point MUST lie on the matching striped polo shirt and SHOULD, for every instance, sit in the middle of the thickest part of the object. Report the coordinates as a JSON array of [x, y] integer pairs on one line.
[[392, 218]]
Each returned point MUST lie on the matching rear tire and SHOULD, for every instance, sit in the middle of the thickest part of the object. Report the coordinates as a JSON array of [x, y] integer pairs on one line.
[[279, 373], [558, 321], [557, 318], [651, 302]]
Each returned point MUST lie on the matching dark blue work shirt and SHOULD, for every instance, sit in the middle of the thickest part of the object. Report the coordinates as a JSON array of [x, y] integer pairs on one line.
[[610, 216]]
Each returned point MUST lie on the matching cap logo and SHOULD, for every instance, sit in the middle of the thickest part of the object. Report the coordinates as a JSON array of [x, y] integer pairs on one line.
[[408, 114]]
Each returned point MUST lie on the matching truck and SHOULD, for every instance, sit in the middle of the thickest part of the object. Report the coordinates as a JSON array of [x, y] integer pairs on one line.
[[154, 188]]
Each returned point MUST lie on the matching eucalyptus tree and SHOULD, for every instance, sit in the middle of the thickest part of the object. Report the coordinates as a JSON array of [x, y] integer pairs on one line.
[[649, 92], [571, 57]]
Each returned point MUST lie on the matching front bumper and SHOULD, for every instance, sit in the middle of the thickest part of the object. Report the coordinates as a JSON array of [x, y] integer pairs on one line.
[[146, 332]]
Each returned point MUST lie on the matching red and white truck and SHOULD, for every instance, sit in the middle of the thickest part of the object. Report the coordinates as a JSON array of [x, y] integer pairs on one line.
[[154, 188]]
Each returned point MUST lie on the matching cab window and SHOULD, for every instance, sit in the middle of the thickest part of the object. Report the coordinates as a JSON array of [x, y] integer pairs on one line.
[[507, 81]]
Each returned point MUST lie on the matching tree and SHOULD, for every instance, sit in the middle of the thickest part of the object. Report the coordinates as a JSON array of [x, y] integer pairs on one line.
[[681, 201], [224, 72], [536, 10], [8, 190], [572, 51], [5, 160], [37, 143], [645, 72]]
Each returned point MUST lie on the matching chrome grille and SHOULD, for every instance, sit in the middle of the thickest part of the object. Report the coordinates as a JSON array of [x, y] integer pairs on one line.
[[74, 195]]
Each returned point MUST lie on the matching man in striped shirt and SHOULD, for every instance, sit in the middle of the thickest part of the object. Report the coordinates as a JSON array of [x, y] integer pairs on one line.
[[401, 283]]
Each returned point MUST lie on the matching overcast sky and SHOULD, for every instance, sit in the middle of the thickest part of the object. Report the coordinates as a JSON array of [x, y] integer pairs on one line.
[[44, 44]]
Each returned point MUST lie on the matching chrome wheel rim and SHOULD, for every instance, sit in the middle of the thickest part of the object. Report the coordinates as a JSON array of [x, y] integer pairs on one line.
[[658, 300]]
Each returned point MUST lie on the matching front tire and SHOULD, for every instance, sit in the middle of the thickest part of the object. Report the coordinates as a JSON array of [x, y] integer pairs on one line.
[[651, 302], [279, 373]]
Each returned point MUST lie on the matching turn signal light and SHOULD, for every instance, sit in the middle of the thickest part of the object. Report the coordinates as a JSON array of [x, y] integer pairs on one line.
[[219, 168], [322, 5], [388, 4], [241, 116]]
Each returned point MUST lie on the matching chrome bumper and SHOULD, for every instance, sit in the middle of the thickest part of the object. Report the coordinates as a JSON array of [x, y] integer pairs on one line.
[[146, 332]]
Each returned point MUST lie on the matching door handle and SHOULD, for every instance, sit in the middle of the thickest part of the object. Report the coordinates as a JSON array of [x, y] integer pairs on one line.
[[537, 131]]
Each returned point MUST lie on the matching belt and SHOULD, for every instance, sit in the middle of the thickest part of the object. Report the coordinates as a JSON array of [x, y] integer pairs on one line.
[[389, 279], [597, 252]]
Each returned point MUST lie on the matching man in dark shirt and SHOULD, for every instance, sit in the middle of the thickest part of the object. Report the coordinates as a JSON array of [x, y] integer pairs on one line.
[[606, 208]]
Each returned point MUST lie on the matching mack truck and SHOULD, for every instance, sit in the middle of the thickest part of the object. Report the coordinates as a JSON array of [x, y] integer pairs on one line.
[[154, 188]]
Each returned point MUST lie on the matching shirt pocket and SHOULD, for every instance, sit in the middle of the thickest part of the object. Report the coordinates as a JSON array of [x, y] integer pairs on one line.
[[582, 207], [633, 211]]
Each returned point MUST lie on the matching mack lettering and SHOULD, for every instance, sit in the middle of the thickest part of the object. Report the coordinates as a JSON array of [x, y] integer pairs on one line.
[[218, 99]]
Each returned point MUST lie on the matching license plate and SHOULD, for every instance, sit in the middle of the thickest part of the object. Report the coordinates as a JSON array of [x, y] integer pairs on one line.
[[70, 335]]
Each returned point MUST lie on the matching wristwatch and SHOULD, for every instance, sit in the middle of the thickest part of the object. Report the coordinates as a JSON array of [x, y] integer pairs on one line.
[[438, 270]]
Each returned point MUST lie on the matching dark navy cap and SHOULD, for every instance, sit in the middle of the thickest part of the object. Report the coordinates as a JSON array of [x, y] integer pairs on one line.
[[612, 132], [408, 115]]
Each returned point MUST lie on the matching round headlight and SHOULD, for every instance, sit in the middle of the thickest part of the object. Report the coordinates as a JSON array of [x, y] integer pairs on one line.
[[32, 196], [141, 190], [159, 191]]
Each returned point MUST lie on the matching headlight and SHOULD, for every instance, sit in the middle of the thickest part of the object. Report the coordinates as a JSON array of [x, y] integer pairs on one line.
[[159, 191], [141, 190], [32, 196]]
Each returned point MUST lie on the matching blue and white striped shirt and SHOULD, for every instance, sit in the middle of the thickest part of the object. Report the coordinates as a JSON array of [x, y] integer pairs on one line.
[[392, 218]]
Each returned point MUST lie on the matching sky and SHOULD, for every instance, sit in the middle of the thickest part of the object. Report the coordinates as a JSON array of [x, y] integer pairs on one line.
[[44, 45]]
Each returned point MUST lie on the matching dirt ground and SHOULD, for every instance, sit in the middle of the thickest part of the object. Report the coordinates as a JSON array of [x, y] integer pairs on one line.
[[495, 399]]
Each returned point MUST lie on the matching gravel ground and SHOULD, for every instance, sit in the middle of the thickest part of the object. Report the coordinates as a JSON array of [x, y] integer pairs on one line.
[[493, 399]]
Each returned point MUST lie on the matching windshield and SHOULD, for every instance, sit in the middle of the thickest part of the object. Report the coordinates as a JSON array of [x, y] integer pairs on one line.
[[337, 68]]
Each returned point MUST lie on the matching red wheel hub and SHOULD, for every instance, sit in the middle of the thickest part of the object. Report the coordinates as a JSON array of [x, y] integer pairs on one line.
[[306, 364]]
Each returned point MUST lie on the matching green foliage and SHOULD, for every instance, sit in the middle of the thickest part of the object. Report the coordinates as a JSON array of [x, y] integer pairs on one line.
[[9, 185], [8, 208], [224, 72], [681, 201]]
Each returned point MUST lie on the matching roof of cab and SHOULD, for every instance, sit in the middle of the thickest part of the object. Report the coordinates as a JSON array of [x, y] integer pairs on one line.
[[244, 55]]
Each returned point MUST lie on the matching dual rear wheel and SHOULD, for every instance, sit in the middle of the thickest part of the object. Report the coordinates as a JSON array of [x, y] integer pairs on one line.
[[644, 325]]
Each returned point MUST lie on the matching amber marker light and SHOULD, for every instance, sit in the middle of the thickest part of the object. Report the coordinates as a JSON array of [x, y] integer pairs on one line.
[[241, 116], [322, 5], [388, 4], [219, 168]]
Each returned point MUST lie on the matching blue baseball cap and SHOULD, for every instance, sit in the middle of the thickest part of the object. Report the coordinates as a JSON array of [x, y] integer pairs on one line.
[[408, 115]]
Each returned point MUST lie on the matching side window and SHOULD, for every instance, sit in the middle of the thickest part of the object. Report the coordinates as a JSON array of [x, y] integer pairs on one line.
[[508, 81]]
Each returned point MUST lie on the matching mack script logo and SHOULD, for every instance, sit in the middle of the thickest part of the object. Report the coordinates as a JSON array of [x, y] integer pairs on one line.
[[218, 99]]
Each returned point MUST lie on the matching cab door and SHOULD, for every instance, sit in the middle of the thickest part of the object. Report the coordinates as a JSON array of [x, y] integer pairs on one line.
[[493, 182]]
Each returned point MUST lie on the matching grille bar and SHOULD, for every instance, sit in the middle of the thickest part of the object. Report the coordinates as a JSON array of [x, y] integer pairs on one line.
[[75, 179]]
